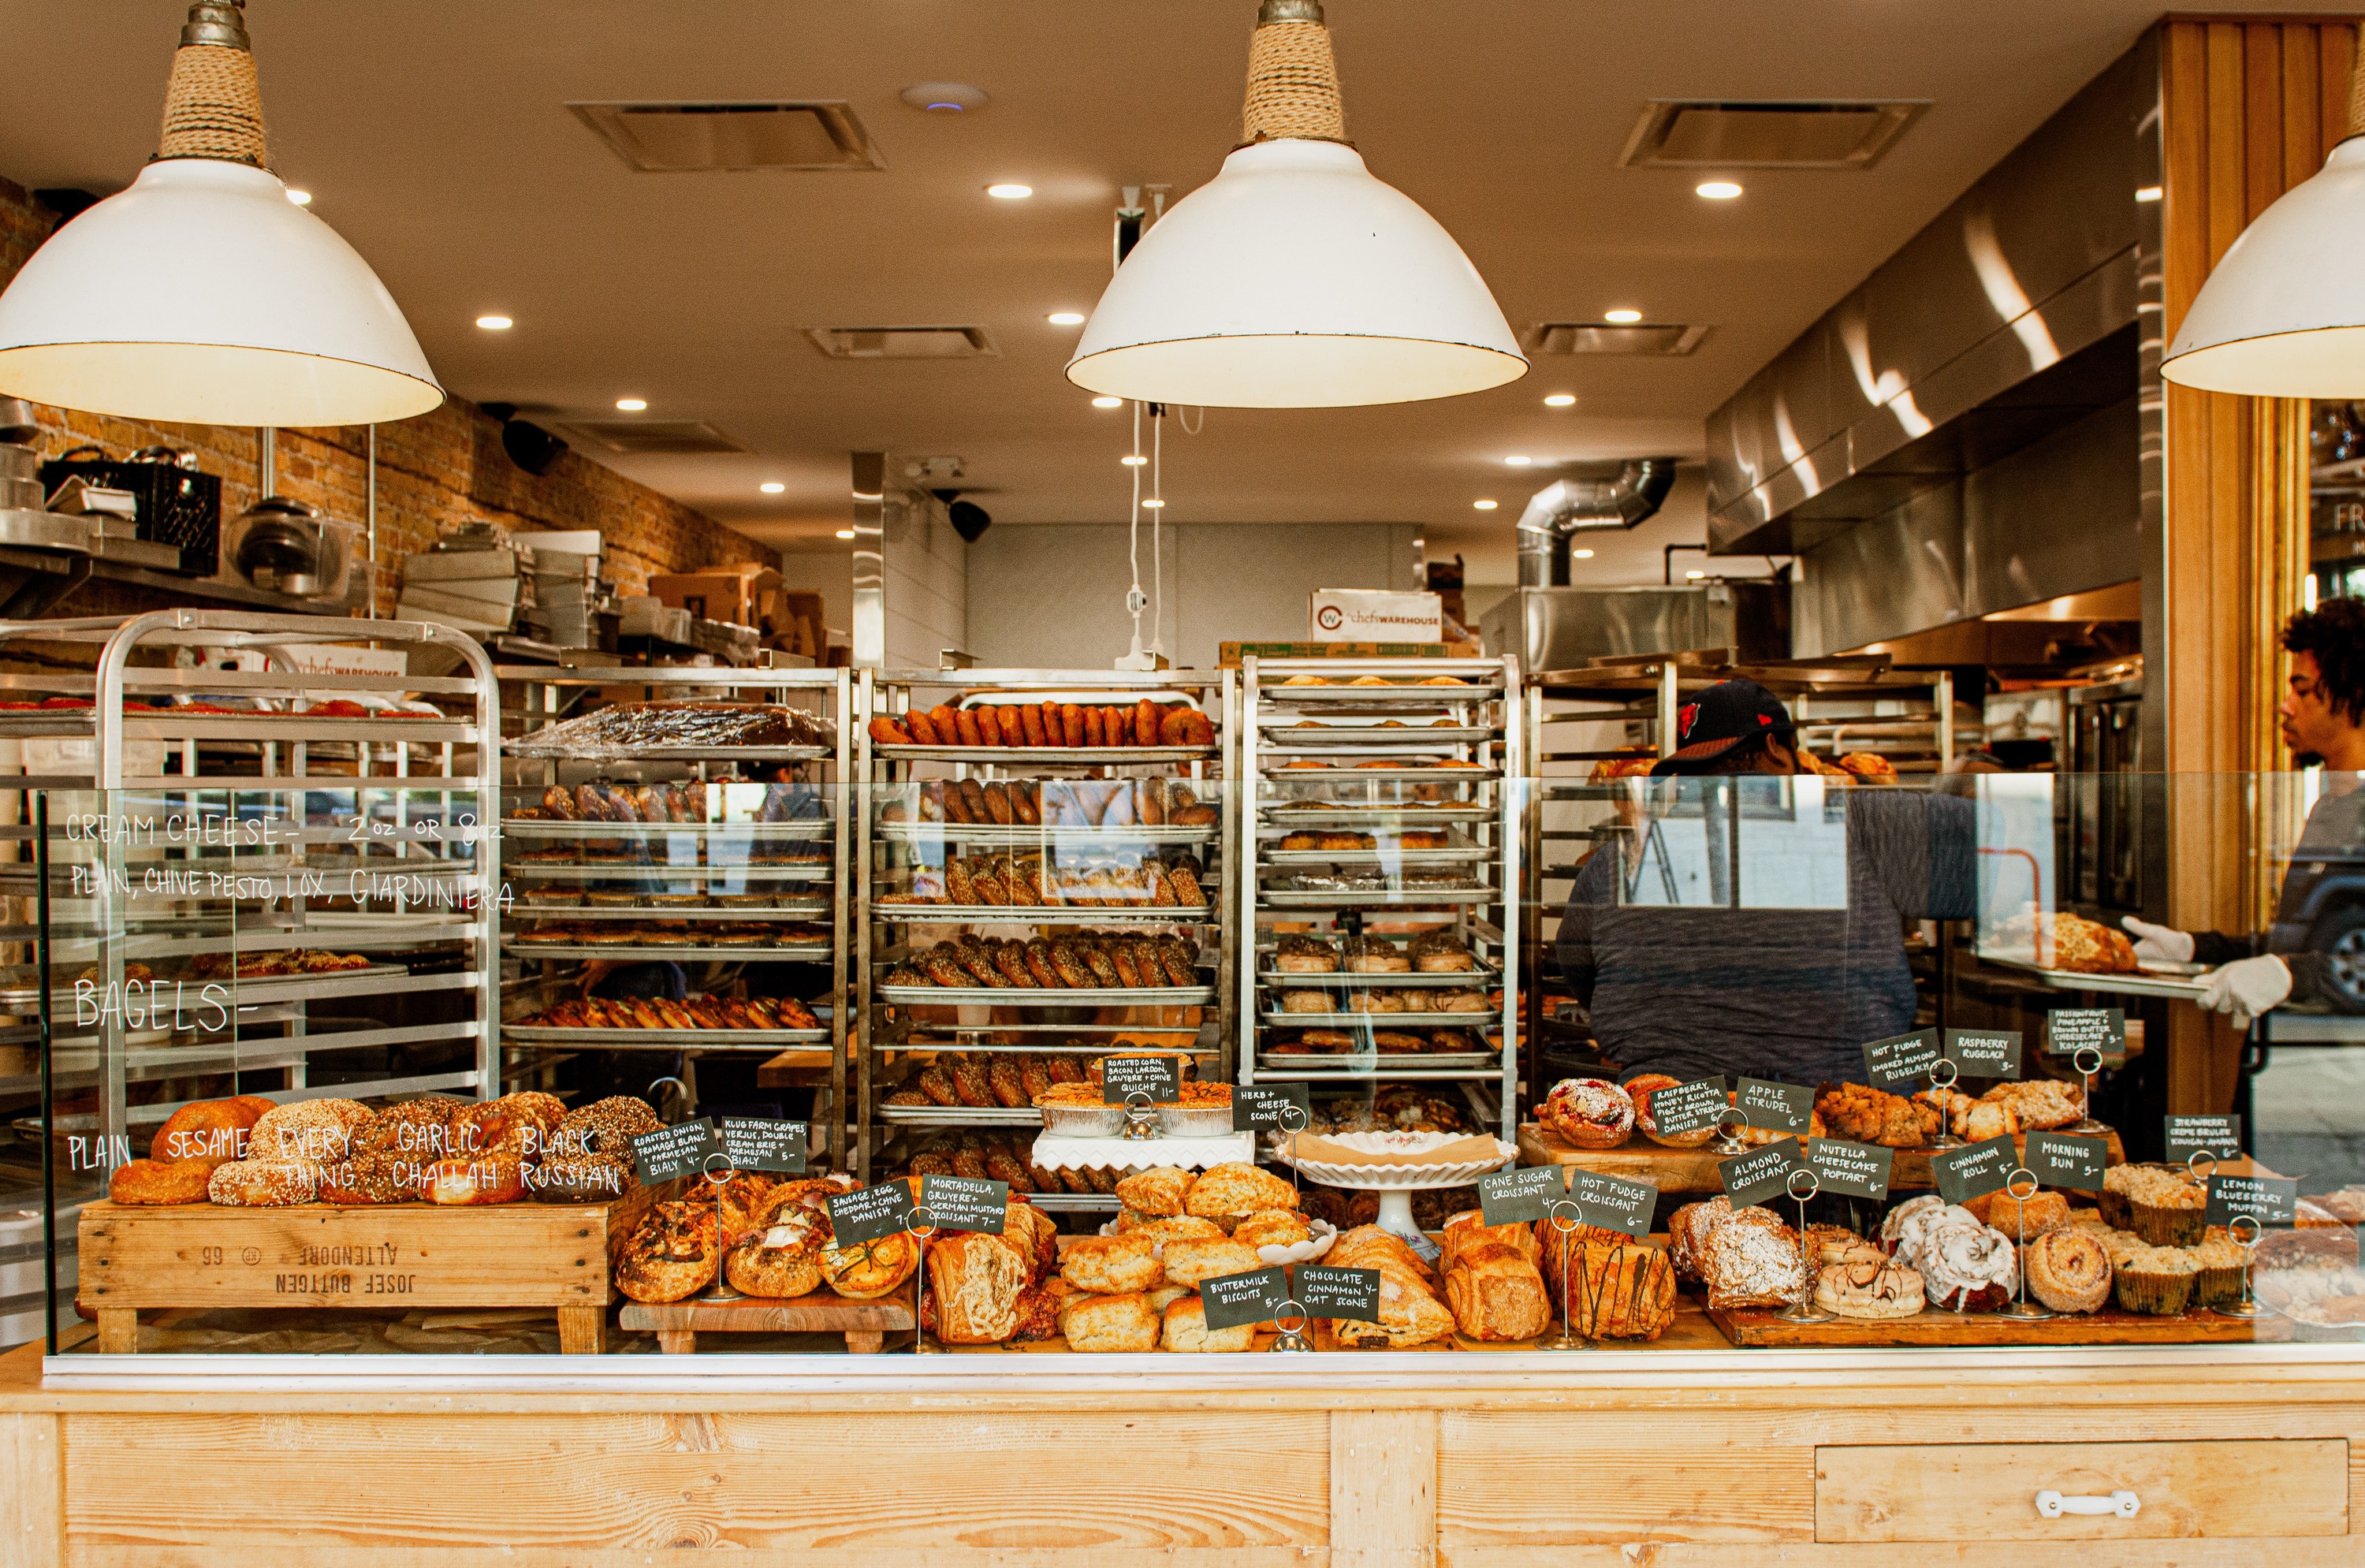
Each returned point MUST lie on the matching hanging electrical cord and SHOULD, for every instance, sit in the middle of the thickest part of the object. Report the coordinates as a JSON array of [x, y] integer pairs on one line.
[[1183, 416], [1157, 523], [1135, 599]]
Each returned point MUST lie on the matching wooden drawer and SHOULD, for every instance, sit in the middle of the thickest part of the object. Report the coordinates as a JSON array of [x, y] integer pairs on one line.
[[1952, 1492]]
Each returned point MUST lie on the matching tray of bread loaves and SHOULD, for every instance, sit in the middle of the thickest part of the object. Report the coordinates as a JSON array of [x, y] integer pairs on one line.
[[1373, 816], [676, 875], [1084, 727], [1444, 769], [1431, 959], [1286, 733], [1287, 846], [1072, 971]]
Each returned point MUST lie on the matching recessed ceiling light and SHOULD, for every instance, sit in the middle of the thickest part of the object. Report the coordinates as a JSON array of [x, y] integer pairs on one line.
[[1109, 402], [944, 98], [1484, 505], [771, 487], [1561, 400], [495, 323], [1153, 502], [1518, 462], [1066, 318], [1581, 555], [301, 198], [1622, 318], [846, 534], [1014, 191], [1132, 460], [631, 405], [1694, 577], [2147, 193], [1718, 190]]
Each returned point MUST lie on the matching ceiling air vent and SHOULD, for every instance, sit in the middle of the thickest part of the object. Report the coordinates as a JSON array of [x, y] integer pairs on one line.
[[904, 342], [668, 437], [1614, 337], [689, 138], [1682, 135]]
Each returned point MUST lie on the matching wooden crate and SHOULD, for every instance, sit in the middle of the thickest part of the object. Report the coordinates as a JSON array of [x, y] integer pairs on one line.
[[1694, 1169], [677, 1323], [394, 1255]]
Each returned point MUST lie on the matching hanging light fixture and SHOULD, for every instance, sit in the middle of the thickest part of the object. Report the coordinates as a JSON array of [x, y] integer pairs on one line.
[[2283, 313], [201, 295], [1294, 279]]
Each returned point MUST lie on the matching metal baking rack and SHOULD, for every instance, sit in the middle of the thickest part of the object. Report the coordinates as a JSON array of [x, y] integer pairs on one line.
[[1623, 708], [899, 837], [643, 884], [236, 821], [1427, 746]]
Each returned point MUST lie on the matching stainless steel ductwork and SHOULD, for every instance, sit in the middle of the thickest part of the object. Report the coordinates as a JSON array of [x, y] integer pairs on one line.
[[1575, 506]]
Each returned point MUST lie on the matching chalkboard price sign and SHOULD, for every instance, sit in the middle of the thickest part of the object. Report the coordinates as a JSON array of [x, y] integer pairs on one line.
[[1763, 1174], [2187, 1135], [1689, 1108], [2066, 1159], [966, 1202], [1613, 1202], [1160, 1078], [1255, 1296], [2269, 1200], [1975, 1170], [2068, 1030], [1776, 1107], [1257, 1107], [671, 1153], [1853, 1169], [1901, 1060], [753, 1144], [1339, 1292], [1984, 1053], [1520, 1195], [871, 1214]]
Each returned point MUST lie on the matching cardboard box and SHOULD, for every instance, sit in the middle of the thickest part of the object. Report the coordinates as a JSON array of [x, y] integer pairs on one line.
[[1370, 614], [744, 593]]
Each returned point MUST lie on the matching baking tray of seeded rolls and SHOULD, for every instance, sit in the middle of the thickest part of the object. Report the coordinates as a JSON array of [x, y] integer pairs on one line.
[[1431, 773], [1043, 996], [1041, 914], [754, 832], [1285, 734], [1486, 974], [1019, 836]]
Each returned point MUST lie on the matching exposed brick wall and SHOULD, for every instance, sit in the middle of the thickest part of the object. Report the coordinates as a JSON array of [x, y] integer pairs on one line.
[[435, 474]]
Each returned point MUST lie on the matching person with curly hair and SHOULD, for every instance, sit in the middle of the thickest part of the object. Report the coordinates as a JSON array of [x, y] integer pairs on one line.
[[2324, 723]]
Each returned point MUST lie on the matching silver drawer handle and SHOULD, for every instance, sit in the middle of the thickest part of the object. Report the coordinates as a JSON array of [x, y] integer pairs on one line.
[[2053, 1504]]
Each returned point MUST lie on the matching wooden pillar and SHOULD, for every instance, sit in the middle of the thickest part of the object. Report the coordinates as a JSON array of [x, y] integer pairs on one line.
[[2248, 109]]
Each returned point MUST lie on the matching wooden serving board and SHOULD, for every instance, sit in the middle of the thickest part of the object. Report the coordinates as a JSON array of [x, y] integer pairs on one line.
[[1694, 1169], [1759, 1328], [865, 1324], [395, 1255]]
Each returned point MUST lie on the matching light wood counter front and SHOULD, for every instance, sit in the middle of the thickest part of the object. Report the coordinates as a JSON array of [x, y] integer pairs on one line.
[[1672, 1460]]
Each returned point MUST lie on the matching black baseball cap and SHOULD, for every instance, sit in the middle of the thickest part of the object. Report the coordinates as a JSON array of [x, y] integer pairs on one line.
[[1719, 719]]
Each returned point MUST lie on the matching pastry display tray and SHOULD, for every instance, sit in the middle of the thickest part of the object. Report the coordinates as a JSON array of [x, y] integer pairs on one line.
[[523, 747], [1285, 734], [805, 953], [1283, 774], [661, 1039], [1097, 1049], [1372, 1064], [544, 827], [1453, 855], [1292, 898], [1486, 974], [936, 1115], [1398, 1021], [1286, 816], [1044, 996], [816, 910], [1763, 1327], [2186, 986], [655, 870], [1037, 914], [1393, 694], [1016, 835], [1070, 756]]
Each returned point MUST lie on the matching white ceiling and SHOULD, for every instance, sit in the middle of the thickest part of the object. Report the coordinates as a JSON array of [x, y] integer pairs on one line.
[[433, 136]]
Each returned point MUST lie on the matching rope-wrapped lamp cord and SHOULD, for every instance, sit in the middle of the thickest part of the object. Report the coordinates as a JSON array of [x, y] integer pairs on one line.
[[214, 106], [1293, 77]]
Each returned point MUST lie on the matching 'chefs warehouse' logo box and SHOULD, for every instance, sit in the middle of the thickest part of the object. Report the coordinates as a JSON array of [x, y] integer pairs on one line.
[[1374, 615]]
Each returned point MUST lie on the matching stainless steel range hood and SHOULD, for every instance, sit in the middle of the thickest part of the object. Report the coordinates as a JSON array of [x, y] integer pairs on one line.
[[1965, 432]]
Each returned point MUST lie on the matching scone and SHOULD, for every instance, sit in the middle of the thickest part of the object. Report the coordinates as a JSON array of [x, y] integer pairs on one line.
[[1187, 1329], [1177, 1227], [1105, 1325], [1268, 1227], [1111, 1265], [1159, 1192], [1237, 1188], [1188, 1262]]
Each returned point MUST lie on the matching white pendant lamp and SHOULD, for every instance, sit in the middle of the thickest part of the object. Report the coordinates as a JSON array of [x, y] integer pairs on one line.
[[1294, 279], [202, 294], [2282, 314]]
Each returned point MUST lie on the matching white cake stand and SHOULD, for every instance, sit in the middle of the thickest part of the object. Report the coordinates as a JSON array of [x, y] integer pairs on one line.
[[1394, 1183]]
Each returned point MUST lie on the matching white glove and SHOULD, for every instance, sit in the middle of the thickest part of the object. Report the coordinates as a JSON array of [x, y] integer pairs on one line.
[[2160, 941], [2248, 987]]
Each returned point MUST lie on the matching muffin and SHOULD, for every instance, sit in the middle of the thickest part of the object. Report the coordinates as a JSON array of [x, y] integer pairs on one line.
[[2219, 1281], [2165, 1206], [2154, 1281]]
